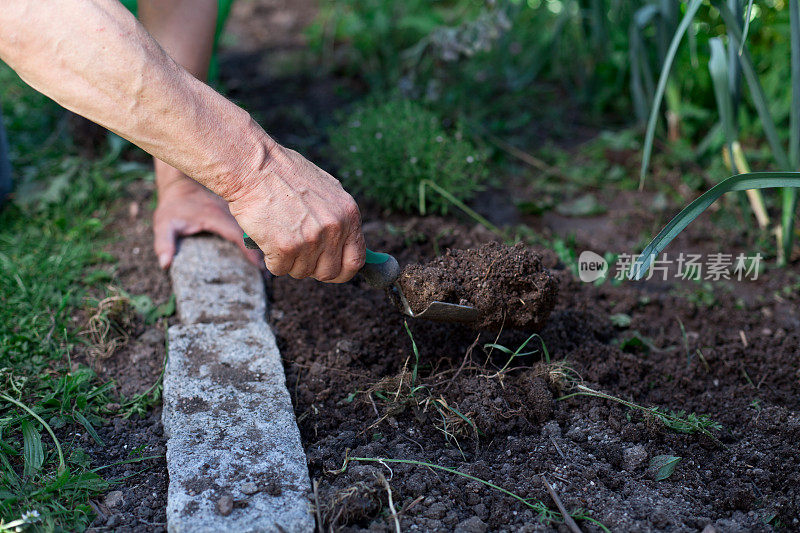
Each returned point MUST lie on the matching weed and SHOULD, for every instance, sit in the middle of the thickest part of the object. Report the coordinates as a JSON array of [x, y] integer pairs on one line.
[[662, 466], [108, 327], [449, 197], [620, 320], [677, 421], [405, 391], [544, 514], [518, 352]]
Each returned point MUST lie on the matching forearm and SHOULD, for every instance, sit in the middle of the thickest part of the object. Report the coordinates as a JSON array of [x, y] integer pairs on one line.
[[95, 59], [185, 30]]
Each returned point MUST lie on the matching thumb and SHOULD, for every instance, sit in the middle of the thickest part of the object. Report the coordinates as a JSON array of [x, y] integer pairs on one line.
[[165, 236]]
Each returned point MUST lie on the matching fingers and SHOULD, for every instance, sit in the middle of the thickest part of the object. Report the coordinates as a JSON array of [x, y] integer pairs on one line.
[[190, 213], [332, 250], [301, 217], [279, 259], [354, 250], [353, 256], [329, 265], [164, 237], [304, 263]]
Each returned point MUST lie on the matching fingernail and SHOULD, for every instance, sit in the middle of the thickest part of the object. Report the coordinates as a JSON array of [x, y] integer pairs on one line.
[[163, 260]]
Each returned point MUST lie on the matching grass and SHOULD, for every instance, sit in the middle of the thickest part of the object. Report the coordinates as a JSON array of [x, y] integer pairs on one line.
[[405, 390], [544, 514], [51, 262], [677, 421], [563, 377]]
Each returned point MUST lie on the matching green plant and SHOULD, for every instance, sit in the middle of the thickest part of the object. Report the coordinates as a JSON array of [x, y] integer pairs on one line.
[[662, 466], [544, 514], [405, 390], [513, 354], [386, 150], [51, 262], [677, 421], [365, 37], [726, 72], [741, 182]]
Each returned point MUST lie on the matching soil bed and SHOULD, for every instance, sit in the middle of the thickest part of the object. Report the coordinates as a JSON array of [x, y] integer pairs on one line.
[[137, 498], [359, 391], [507, 285]]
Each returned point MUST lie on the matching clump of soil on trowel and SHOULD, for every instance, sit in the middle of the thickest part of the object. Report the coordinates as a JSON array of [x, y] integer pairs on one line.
[[508, 285]]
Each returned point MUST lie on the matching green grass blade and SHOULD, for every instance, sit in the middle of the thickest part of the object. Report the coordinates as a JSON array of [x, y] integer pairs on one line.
[[734, 69], [746, 25], [635, 56], [718, 67], [61, 464], [33, 452], [788, 208], [756, 91], [641, 19], [789, 196], [650, 134], [416, 354], [89, 429], [740, 182]]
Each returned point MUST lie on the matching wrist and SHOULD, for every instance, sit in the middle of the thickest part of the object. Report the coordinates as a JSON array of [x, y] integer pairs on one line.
[[171, 181], [248, 167]]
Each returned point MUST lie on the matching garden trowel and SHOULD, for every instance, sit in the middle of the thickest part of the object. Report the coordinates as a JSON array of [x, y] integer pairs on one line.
[[382, 271]]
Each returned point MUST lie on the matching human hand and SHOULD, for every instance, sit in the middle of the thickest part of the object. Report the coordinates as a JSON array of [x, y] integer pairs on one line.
[[306, 224], [186, 208]]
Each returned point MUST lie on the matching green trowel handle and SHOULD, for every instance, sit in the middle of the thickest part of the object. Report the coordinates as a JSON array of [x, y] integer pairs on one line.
[[380, 270], [249, 243]]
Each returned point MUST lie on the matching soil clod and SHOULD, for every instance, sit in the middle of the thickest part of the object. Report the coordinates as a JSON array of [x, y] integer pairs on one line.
[[508, 285], [225, 505], [249, 488]]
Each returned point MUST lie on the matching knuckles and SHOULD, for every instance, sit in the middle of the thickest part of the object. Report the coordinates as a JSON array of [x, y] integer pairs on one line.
[[353, 215], [288, 247]]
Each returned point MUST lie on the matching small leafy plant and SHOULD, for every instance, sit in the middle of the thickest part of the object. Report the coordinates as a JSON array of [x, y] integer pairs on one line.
[[386, 150], [662, 466]]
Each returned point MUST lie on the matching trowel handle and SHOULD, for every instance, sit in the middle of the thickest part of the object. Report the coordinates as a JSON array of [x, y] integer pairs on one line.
[[249, 243], [380, 270]]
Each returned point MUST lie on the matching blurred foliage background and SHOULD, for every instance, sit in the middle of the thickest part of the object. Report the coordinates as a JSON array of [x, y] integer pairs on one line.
[[498, 64], [715, 84]]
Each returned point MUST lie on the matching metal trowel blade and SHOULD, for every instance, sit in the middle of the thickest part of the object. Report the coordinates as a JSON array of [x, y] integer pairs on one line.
[[440, 311]]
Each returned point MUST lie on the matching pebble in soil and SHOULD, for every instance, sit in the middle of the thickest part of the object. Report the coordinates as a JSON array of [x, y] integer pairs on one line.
[[508, 285]]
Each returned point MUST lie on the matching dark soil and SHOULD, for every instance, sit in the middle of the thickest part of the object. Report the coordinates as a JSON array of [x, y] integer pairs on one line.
[[507, 285], [136, 369], [359, 391], [350, 364], [137, 499]]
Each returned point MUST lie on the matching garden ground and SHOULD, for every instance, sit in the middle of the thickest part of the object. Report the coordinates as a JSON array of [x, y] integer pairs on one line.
[[719, 359]]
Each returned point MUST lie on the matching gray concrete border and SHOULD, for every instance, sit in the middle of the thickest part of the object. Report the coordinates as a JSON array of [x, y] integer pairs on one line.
[[234, 454]]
